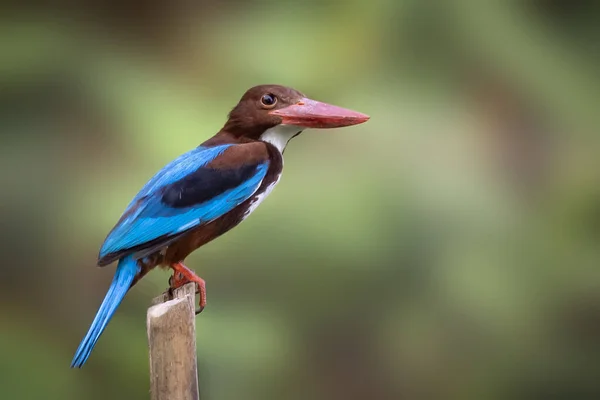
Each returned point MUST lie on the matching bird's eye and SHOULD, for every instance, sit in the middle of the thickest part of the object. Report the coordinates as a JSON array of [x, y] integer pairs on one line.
[[268, 100]]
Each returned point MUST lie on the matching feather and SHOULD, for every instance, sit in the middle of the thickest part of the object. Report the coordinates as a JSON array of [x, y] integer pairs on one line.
[[185, 194], [126, 272], [178, 169]]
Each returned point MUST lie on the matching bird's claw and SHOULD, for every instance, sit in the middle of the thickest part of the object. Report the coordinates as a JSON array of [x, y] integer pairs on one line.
[[183, 275]]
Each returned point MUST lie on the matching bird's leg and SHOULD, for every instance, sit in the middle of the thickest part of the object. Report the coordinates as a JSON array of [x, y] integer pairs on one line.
[[177, 280], [183, 275]]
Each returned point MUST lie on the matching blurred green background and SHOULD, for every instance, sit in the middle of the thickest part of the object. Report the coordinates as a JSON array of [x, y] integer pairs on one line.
[[447, 249]]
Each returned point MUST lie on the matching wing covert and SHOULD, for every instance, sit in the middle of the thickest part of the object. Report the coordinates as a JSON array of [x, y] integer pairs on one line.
[[192, 190]]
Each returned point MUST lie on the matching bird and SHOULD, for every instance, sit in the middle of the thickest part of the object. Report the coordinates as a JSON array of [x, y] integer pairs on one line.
[[206, 192]]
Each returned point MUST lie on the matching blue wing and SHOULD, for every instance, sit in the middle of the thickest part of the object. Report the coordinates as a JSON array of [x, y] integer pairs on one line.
[[178, 169], [184, 194]]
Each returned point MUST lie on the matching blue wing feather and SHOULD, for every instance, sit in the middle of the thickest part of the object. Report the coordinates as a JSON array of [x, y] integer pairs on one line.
[[179, 168], [149, 218]]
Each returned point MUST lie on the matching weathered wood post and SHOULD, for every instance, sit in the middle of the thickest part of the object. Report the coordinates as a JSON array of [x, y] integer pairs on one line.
[[171, 324]]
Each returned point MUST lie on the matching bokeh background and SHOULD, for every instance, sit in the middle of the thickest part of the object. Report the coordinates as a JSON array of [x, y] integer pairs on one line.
[[447, 249]]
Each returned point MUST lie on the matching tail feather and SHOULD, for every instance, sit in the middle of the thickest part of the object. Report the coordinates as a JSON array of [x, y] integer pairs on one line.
[[124, 276]]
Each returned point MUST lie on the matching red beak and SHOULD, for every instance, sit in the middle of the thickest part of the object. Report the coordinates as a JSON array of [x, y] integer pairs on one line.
[[314, 114]]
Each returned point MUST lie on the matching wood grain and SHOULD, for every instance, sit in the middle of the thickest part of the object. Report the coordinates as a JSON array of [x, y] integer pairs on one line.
[[171, 325]]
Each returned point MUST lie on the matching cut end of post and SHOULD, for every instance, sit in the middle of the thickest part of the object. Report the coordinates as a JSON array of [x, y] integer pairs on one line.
[[179, 293], [160, 309]]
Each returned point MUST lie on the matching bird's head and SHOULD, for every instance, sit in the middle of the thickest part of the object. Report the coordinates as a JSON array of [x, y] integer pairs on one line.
[[276, 113]]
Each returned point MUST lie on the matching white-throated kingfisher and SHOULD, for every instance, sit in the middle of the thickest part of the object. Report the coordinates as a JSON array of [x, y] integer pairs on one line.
[[206, 192]]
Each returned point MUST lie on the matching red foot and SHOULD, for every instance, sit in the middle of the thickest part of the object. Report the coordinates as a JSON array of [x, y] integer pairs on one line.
[[183, 275]]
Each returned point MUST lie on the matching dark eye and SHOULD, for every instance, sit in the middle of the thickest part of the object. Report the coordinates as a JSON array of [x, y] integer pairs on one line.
[[268, 100]]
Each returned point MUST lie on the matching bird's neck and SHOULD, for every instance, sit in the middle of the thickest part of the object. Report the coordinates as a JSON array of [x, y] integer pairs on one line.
[[278, 136], [225, 137]]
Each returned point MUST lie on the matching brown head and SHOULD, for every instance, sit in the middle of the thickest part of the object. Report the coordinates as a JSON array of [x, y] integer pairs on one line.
[[277, 113]]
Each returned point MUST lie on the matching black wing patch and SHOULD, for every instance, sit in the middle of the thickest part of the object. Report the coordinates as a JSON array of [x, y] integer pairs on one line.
[[204, 184]]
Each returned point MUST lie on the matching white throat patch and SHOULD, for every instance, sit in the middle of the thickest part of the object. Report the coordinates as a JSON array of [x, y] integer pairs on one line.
[[280, 135]]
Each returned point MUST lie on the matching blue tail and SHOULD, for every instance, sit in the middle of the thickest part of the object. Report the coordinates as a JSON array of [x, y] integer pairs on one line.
[[126, 272]]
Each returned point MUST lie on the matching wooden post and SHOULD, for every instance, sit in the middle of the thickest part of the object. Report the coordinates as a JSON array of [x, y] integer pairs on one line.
[[171, 325]]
